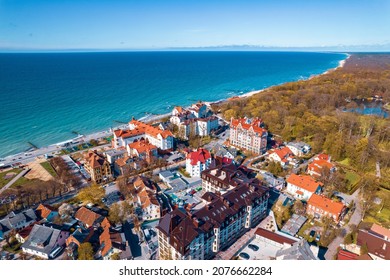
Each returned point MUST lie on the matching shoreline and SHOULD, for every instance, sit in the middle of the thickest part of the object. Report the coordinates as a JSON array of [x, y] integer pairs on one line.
[[147, 118]]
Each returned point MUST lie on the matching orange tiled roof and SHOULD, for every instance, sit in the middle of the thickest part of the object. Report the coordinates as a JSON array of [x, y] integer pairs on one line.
[[142, 146], [318, 164], [86, 216], [122, 161], [255, 124], [283, 152], [44, 210], [326, 204], [128, 133], [150, 130], [323, 157], [94, 159], [304, 182]]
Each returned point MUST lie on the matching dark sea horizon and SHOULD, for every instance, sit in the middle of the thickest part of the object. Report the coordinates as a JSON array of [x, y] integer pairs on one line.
[[47, 96]]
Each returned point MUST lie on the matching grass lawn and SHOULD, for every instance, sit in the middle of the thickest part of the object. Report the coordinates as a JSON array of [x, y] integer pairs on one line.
[[4, 181], [352, 178], [49, 168], [380, 214], [345, 162]]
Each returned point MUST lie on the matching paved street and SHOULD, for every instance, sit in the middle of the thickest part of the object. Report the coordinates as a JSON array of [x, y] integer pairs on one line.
[[355, 220]]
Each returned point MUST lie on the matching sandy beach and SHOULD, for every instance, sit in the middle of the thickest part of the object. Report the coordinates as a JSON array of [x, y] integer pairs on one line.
[[26, 157]]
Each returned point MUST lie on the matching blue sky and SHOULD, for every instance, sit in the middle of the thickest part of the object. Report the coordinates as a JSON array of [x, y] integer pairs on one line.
[[152, 24]]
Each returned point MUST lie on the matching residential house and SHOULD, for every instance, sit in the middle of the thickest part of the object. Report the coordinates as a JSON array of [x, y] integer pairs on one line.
[[88, 218], [124, 165], [45, 242], [377, 241], [16, 222], [320, 206], [303, 186], [111, 242], [73, 242], [197, 161], [299, 149], [46, 212], [148, 202], [248, 134], [143, 150], [23, 234], [115, 154], [97, 167], [203, 233], [224, 152], [196, 120], [282, 155], [320, 163]]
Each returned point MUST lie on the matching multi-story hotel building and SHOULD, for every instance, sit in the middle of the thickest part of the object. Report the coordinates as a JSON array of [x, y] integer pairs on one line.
[[98, 167], [248, 134], [162, 139], [224, 218]]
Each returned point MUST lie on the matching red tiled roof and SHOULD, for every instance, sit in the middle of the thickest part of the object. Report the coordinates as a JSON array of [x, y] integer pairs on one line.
[[304, 182], [255, 124], [323, 157], [346, 256], [326, 204], [201, 155], [86, 216]]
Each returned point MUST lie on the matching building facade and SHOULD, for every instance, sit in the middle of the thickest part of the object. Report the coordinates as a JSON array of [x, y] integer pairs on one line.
[[197, 161], [303, 186], [320, 206], [97, 167], [248, 134], [202, 234], [162, 139]]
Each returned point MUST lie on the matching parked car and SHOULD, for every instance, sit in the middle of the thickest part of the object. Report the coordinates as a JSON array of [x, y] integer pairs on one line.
[[312, 233], [244, 256], [253, 247], [318, 237]]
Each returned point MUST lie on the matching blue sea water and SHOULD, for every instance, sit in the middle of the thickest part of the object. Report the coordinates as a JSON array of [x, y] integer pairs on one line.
[[46, 96]]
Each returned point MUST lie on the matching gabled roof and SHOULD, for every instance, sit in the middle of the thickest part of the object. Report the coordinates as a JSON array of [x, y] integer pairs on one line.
[[150, 130], [282, 153], [248, 124], [200, 155], [44, 210], [142, 146], [94, 159], [376, 244], [326, 204], [42, 239], [304, 182], [87, 217]]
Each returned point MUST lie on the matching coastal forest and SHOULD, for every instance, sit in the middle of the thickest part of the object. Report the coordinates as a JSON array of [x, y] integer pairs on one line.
[[322, 112]]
